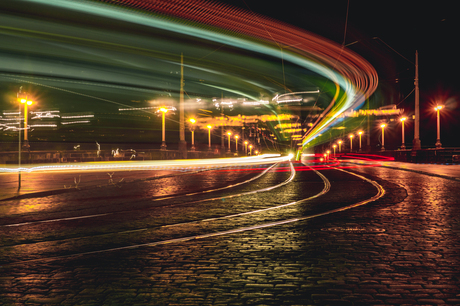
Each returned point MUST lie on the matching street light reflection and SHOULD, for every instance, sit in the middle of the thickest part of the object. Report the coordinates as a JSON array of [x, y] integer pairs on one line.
[[189, 164]]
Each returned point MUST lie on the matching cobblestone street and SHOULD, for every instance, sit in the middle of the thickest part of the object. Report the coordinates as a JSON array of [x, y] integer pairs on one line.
[[400, 249]]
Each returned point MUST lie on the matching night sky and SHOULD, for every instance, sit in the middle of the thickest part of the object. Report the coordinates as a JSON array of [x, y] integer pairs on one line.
[[388, 34]]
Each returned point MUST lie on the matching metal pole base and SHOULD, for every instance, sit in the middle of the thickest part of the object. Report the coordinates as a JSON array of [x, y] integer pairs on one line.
[[163, 146], [438, 144], [416, 144]]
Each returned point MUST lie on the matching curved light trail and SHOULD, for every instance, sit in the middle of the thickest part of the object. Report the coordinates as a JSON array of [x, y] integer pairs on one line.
[[380, 193], [352, 77]]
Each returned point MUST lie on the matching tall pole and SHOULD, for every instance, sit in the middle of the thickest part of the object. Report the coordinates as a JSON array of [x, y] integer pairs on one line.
[[193, 140], [417, 143], [403, 146], [182, 142], [229, 134], [19, 148], [360, 133], [438, 140], [222, 141], [163, 134], [209, 136], [236, 144], [26, 139], [383, 136]]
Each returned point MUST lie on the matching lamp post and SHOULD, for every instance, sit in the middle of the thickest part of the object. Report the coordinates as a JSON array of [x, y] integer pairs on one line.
[[250, 150], [23, 99], [438, 139], [163, 111], [340, 146], [328, 154], [26, 103], [192, 129], [209, 136], [246, 148], [351, 142], [360, 133], [403, 147], [229, 134], [383, 136], [334, 146], [236, 141], [416, 144]]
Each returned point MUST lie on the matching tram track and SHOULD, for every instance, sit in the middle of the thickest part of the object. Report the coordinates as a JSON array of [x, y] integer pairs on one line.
[[190, 225], [202, 192]]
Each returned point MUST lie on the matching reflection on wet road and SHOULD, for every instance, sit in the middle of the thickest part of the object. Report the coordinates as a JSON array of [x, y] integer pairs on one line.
[[263, 230], [174, 207]]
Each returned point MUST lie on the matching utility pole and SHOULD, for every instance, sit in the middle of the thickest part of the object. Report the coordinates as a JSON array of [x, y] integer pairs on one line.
[[416, 145], [182, 142], [222, 143]]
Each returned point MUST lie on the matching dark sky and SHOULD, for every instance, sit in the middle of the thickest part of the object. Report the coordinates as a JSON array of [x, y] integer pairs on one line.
[[431, 27], [402, 27]]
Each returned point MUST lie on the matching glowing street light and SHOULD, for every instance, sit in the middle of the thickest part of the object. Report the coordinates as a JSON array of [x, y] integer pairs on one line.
[[403, 147], [22, 97], [229, 134], [209, 135], [250, 150], [334, 146], [246, 147], [192, 128], [236, 141], [360, 133], [383, 136], [340, 145], [26, 103], [351, 142], [438, 139], [163, 110], [328, 154]]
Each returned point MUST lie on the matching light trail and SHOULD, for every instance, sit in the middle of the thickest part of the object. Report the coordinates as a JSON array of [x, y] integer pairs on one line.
[[157, 199], [353, 77], [380, 193], [154, 164]]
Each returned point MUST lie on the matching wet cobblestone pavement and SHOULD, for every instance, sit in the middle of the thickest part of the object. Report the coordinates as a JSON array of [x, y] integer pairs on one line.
[[400, 249]]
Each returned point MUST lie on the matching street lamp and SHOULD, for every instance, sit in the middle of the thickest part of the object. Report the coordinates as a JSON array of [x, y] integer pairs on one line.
[[340, 146], [163, 110], [22, 97], [236, 141], [246, 147], [328, 153], [438, 140], [334, 146], [383, 136], [360, 133], [192, 129], [26, 103], [209, 135], [416, 144], [403, 147], [229, 134], [250, 150], [351, 142]]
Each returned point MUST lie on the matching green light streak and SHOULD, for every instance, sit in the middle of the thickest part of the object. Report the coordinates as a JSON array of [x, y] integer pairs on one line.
[[342, 103]]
